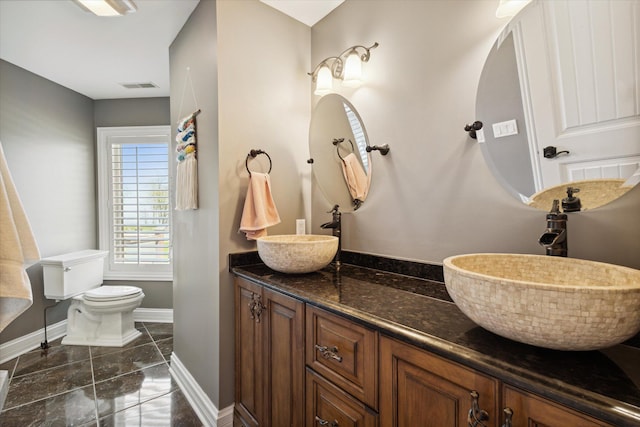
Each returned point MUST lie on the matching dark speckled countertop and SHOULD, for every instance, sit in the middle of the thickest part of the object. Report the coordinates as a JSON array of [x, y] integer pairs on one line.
[[604, 384]]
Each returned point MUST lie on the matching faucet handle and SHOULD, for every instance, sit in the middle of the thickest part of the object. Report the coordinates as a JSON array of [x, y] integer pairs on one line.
[[335, 209]]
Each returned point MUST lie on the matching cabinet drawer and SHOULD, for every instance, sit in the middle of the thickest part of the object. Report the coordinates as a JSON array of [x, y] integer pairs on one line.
[[328, 405], [344, 352], [532, 410]]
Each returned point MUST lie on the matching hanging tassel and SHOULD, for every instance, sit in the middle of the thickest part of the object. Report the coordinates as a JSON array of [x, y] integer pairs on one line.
[[187, 184]]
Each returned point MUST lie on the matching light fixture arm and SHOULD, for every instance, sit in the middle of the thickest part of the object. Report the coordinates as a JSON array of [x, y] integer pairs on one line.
[[336, 63]]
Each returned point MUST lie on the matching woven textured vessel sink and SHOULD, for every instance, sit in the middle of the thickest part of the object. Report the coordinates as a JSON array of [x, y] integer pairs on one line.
[[593, 193], [553, 302], [291, 253]]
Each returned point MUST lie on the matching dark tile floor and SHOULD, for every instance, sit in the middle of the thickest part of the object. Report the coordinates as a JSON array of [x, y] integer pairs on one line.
[[98, 386]]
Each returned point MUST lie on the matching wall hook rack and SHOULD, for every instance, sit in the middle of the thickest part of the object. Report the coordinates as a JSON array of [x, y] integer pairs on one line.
[[472, 128], [383, 149]]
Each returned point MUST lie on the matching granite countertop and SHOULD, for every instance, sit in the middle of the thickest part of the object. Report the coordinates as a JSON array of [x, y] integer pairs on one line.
[[604, 384]]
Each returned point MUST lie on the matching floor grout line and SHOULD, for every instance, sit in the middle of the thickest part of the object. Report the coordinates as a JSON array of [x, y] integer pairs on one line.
[[93, 384]]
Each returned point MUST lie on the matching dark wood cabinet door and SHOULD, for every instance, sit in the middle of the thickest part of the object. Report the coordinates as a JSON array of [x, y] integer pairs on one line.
[[283, 360], [418, 388], [248, 351], [534, 411]]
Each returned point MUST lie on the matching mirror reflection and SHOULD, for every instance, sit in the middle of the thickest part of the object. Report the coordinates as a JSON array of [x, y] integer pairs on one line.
[[337, 143], [559, 97]]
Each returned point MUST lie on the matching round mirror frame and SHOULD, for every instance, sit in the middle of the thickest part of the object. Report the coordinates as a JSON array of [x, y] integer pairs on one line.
[[331, 138]]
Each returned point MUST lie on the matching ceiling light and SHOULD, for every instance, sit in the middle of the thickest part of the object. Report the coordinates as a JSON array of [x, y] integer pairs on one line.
[[107, 7], [349, 69]]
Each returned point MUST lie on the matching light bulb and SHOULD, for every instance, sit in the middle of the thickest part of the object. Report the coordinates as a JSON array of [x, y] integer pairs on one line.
[[508, 8]]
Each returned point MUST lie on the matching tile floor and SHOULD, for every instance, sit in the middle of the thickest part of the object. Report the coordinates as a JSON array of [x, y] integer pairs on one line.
[[98, 386]]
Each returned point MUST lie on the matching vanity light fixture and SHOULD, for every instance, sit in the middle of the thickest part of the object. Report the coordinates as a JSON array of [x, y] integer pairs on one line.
[[346, 67], [107, 7], [508, 8]]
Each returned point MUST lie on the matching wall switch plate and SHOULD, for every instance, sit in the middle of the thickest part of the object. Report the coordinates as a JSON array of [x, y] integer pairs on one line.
[[502, 129]]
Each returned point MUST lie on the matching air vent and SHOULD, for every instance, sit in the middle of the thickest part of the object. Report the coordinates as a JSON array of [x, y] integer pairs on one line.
[[147, 85]]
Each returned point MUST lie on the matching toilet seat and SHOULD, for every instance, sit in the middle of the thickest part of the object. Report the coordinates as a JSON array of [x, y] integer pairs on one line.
[[111, 293]]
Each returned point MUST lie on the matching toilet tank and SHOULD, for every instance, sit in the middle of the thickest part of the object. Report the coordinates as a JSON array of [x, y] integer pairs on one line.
[[71, 274]]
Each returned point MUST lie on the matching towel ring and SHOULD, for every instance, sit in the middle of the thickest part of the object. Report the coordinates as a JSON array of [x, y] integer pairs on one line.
[[337, 142], [254, 154]]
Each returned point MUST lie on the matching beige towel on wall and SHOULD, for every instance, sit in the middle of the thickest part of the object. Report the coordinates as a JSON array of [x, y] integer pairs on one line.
[[357, 180], [259, 210], [18, 249]]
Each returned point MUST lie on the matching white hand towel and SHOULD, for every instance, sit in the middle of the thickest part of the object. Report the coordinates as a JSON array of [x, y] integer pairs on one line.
[[18, 248], [357, 180], [259, 210]]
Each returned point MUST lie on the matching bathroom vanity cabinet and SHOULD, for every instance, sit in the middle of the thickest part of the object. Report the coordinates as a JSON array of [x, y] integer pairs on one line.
[[269, 345], [303, 360]]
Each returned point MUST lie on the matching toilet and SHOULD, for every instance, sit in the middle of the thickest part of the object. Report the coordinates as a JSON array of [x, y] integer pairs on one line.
[[98, 315]]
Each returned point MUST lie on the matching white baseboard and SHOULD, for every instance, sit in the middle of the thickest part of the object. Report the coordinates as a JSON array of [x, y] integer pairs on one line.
[[16, 347], [157, 315], [209, 415]]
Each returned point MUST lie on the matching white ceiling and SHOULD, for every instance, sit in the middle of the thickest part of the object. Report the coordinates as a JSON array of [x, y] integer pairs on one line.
[[93, 55], [308, 12]]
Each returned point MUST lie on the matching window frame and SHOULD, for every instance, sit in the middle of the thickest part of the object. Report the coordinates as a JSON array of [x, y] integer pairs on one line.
[[106, 136]]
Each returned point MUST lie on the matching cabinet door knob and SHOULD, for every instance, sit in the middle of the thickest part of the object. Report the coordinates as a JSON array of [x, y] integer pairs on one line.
[[508, 417], [322, 422], [476, 415], [256, 307], [329, 353]]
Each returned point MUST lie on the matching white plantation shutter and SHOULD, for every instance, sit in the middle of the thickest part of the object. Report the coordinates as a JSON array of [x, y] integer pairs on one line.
[[135, 220]]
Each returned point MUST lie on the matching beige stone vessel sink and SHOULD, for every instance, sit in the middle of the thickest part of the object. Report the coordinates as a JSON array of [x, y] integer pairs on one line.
[[291, 253], [553, 302], [593, 193]]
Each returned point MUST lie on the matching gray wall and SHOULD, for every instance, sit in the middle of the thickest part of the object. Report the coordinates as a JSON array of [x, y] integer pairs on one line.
[[132, 112], [248, 65], [433, 195], [498, 100], [48, 136], [196, 325]]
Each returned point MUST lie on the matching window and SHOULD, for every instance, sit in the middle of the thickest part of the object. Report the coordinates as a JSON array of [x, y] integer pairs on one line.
[[134, 202]]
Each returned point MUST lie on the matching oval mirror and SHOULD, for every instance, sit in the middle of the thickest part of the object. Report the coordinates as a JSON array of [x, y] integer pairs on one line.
[[559, 99], [337, 143]]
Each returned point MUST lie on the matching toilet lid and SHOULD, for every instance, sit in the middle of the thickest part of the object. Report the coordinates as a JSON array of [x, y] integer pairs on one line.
[[111, 293]]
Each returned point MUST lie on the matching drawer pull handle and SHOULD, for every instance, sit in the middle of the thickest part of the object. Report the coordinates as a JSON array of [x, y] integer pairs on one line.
[[329, 353], [508, 416], [322, 422], [476, 415]]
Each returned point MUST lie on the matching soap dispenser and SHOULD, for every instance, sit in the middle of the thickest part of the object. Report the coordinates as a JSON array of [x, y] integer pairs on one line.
[[571, 203]]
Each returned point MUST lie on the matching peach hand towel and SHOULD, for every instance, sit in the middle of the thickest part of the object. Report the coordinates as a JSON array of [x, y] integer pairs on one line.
[[17, 249], [357, 180], [259, 209]]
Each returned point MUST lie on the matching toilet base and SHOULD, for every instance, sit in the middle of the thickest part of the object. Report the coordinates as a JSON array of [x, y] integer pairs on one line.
[[103, 341], [107, 324]]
